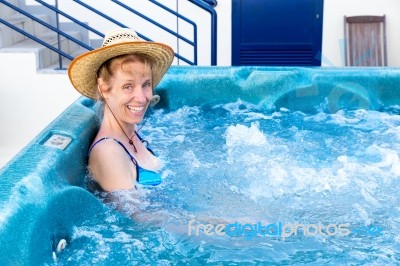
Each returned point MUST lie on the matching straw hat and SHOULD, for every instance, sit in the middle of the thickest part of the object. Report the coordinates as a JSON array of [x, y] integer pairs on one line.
[[82, 70]]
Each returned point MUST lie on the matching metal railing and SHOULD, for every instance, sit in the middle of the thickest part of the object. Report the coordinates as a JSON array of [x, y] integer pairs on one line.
[[213, 13], [206, 5]]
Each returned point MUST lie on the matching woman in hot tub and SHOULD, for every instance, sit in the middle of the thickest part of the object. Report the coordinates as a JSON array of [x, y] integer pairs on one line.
[[121, 74]]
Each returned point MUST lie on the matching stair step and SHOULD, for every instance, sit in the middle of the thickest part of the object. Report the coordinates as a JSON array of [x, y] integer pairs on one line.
[[65, 62], [13, 41], [9, 36], [46, 57], [5, 11]]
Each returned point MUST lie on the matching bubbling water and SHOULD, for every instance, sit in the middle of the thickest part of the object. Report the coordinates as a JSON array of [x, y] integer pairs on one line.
[[237, 161]]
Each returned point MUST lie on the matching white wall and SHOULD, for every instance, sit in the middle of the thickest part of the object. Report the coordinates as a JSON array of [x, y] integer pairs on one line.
[[333, 28], [224, 12], [29, 101]]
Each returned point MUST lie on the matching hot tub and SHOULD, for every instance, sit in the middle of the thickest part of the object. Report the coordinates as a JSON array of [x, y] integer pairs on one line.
[[301, 165]]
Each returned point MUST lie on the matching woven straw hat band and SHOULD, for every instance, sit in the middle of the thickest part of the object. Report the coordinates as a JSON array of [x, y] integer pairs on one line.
[[83, 69], [120, 36]]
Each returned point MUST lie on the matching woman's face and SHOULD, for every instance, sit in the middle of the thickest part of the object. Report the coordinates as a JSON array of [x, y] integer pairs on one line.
[[130, 90]]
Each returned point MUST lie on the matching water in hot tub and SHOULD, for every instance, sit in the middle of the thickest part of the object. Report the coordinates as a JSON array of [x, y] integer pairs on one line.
[[289, 187]]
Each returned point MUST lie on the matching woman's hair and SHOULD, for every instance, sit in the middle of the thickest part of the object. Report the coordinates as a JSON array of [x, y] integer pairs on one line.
[[105, 71]]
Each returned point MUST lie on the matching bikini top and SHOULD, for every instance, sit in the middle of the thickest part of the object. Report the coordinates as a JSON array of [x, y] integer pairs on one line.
[[143, 176]]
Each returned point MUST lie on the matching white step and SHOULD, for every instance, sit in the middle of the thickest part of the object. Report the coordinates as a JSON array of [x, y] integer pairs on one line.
[[9, 36], [6, 11], [45, 56], [65, 61]]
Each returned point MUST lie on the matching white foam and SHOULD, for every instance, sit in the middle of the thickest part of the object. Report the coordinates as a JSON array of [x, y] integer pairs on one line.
[[243, 135], [257, 116], [236, 107], [179, 138], [363, 214], [319, 117], [192, 159], [179, 116], [390, 159], [341, 118]]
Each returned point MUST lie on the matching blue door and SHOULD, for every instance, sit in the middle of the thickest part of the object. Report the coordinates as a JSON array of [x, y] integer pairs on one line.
[[277, 32]]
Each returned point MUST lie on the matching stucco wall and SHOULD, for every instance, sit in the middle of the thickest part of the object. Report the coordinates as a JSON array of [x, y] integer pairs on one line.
[[333, 28]]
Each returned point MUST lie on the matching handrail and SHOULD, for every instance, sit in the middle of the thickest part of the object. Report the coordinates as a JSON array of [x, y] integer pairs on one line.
[[44, 24], [153, 21], [188, 21], [35, 39], [213, 28], [207, 5], [139, 34], [58, 11], [212, 3]]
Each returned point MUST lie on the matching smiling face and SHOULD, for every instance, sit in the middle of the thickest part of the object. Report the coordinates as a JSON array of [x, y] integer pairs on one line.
[[126, 85]]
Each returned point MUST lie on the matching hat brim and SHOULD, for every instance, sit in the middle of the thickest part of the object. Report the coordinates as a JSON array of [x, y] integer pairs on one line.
[[82, 70]]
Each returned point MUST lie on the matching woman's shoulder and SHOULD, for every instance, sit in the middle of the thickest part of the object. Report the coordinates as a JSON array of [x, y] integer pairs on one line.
[[110, 165], [108, 149]]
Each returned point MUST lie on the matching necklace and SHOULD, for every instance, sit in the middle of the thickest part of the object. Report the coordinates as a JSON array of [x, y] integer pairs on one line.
[[130, 139]]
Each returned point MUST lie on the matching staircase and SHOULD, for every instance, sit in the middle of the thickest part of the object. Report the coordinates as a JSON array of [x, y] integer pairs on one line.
[[12, 41]]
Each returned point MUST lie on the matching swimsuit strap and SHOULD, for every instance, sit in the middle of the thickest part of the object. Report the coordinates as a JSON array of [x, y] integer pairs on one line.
[[126, 150], [145, 142]]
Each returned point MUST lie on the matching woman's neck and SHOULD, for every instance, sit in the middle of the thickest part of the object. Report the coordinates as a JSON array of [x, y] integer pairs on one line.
[[110, 124]]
